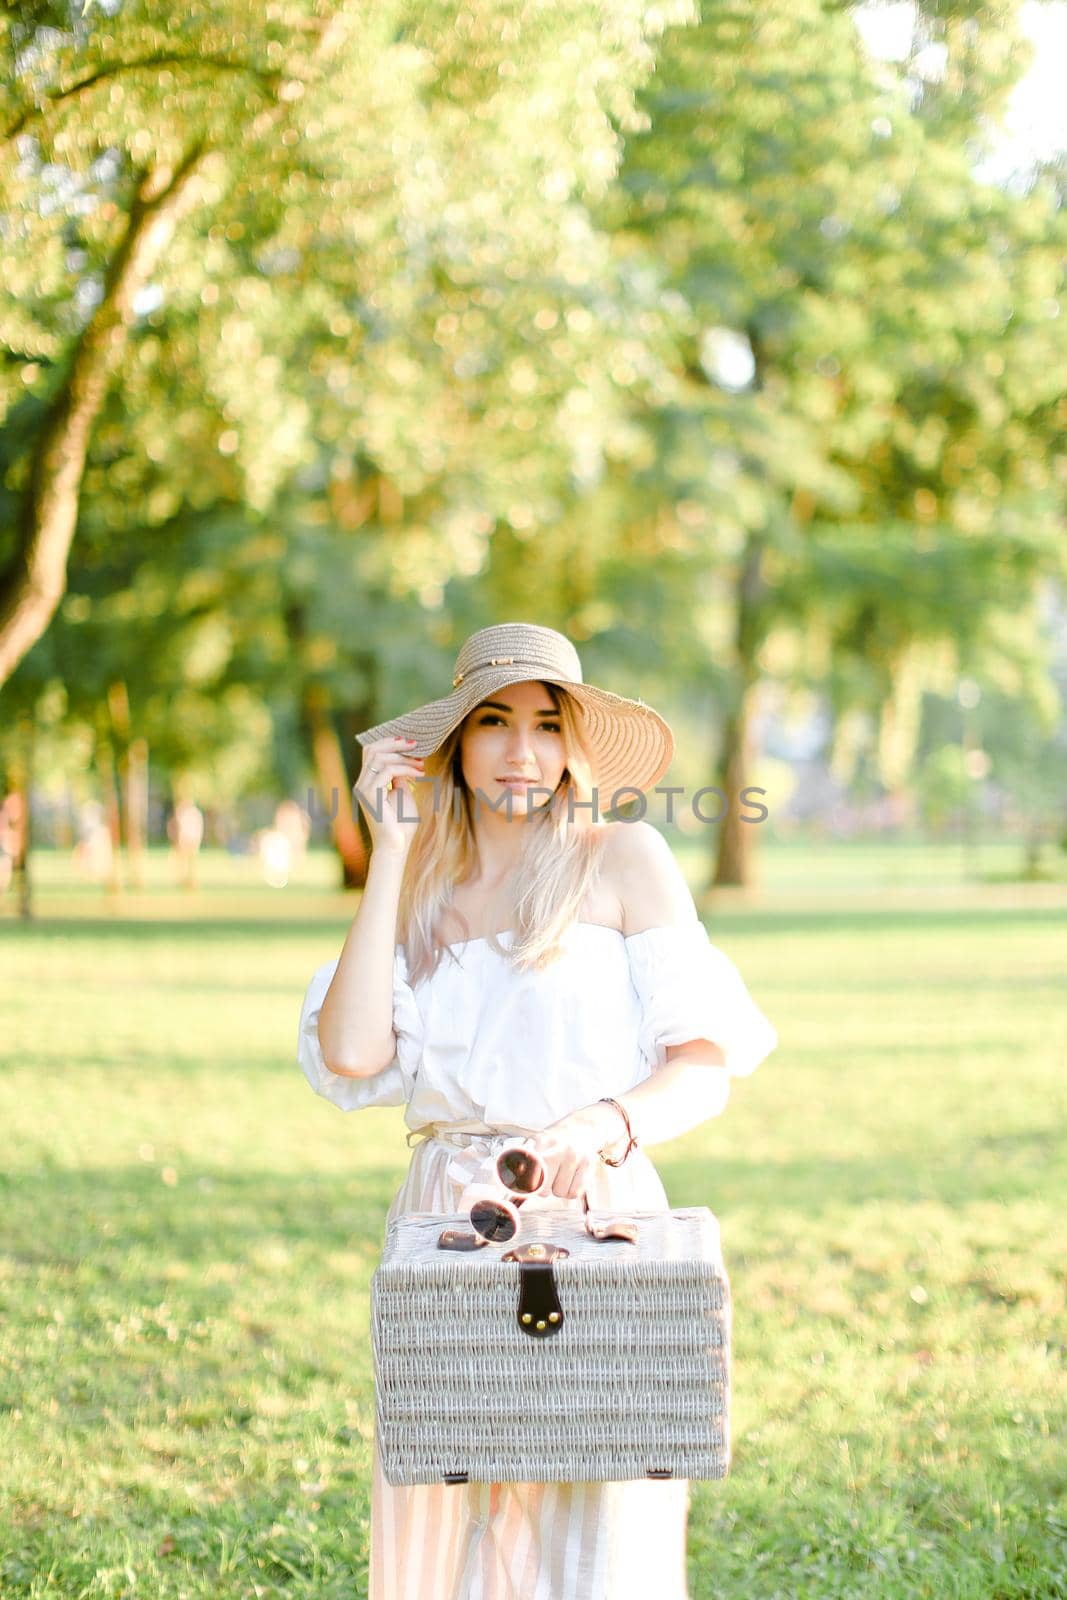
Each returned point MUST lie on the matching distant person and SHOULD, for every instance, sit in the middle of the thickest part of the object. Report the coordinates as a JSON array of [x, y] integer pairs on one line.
[[185, 830], [283, 844], [93, 854], [275, 851], [294, 822], [10, 836]]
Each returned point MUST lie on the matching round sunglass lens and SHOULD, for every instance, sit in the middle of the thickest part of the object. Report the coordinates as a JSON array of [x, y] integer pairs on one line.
[[520, 1170], [493, 1221]]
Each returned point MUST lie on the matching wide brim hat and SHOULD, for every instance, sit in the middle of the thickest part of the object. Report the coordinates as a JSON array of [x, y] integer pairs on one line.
[[631, 745]]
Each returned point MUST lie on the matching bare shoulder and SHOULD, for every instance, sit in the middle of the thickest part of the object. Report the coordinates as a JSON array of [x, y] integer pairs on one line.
[[646, 878]]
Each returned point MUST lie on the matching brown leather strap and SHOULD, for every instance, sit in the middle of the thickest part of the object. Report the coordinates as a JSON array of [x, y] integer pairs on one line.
[[613, 1228]]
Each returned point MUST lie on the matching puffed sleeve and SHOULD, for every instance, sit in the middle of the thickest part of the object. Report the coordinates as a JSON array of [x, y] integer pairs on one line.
[[690, 989], [393, 1086]]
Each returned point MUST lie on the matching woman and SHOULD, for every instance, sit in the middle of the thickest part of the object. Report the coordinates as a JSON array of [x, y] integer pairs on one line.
[[519, 967]]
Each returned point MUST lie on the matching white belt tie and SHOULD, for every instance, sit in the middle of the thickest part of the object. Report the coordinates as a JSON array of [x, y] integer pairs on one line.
[[472, 1160]]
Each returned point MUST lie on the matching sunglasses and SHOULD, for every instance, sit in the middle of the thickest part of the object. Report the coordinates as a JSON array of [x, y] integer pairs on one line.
[[519, 1173], [495, 1217]]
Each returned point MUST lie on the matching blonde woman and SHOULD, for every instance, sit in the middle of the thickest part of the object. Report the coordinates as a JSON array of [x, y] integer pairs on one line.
[[520, 967]]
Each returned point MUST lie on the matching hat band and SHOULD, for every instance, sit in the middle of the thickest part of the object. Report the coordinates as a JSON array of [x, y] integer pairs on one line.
[[494, 661]]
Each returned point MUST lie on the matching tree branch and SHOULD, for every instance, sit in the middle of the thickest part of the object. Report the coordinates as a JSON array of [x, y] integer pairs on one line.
[[269, 79], [35, 579]]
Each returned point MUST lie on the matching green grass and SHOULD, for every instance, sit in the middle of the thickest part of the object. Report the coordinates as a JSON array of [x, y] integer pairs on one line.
[[186, 1398]]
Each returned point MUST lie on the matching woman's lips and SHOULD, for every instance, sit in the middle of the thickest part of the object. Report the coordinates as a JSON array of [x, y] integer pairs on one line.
[[516, 783]]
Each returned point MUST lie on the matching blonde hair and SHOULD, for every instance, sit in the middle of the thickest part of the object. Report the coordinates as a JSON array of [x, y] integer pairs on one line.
[[560, 858]]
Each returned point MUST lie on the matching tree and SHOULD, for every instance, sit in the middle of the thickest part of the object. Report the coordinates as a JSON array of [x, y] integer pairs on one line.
[[850, 282], [358, 278]]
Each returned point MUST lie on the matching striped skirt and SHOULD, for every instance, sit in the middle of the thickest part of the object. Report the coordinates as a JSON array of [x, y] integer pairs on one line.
[[525, 1541]]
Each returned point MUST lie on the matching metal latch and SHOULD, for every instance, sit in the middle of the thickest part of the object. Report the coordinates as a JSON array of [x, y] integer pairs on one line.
[[539, 1311]]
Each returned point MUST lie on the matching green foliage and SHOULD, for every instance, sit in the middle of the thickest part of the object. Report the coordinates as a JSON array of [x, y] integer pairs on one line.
[[944, 787], [873, 420], [390, 223], [692, 331]]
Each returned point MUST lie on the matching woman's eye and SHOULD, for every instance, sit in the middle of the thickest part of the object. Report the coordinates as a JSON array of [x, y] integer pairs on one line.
[[491, 716]]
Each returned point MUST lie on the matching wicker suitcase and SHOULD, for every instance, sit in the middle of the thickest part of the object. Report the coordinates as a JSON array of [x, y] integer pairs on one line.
[[559, 1358]]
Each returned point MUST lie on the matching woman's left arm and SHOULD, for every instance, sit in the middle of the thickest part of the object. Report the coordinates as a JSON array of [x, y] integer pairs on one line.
[[688, 1090], [692, 1084], [693, 1087]]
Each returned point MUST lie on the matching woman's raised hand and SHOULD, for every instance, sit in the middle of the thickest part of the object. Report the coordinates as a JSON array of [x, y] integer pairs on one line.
[[387, 771]]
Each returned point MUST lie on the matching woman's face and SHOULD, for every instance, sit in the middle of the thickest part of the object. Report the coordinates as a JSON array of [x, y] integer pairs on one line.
[[514, 733]]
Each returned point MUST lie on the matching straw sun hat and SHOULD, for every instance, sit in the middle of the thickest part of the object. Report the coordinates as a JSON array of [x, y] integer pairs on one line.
[[631, 744]]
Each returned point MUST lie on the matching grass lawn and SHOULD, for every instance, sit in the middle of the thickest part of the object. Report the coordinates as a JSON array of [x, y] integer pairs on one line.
[[188, 1237]]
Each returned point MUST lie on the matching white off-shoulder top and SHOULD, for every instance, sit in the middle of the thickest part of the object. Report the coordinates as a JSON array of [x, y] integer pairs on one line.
[[481, 1044]]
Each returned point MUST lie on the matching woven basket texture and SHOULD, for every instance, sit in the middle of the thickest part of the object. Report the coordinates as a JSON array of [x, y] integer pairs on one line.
[[635, 1382]]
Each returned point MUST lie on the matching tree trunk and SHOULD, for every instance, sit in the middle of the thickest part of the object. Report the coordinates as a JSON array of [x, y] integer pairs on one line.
[[65, 836], [733, 860], [899, 722], [132, 759], [334, 787], [35, 579], [1033, 861], [335, 797], [118, 710], [105, 767], [22, 786], [137, 809]]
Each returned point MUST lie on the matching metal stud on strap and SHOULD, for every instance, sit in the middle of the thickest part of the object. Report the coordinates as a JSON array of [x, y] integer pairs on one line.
[[494, 661], [539, 1312]]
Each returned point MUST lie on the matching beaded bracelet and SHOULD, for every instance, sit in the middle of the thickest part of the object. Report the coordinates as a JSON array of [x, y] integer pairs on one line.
[[606, 1099]]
